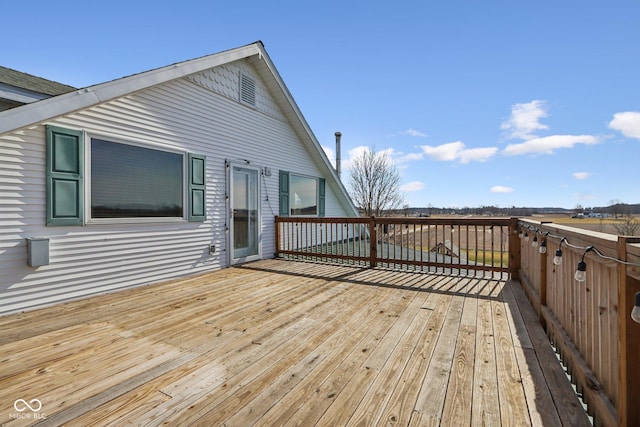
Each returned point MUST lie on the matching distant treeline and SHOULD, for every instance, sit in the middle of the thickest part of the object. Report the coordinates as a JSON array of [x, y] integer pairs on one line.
[[618, 209]]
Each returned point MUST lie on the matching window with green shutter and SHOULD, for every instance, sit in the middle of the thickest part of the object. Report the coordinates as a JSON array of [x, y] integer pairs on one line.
[[64, 176], [301, 195]]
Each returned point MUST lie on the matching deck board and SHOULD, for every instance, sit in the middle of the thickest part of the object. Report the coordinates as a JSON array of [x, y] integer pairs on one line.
[[289, 343]]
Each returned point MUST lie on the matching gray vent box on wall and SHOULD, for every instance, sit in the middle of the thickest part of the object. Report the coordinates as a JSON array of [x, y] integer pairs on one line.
[[37, 251]]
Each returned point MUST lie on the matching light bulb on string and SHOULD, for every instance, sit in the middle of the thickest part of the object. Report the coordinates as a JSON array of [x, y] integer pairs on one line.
[[543, 247], [557, 260], [635, 313], [581, 271]]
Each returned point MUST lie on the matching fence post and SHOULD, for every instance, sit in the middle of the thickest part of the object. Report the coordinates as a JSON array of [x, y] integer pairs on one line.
[[373, 243], [628, 342], [514, 250], [277, 253]]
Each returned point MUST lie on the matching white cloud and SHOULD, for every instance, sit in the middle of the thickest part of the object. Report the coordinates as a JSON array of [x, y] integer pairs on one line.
[[413, 132], [501, 189], [628, 123], [444, 152], [525, 120], [412, 186], [548, 144], [456, 151], [331, 154], [411, 156], [357, 152], [582, 175], [477, 154]]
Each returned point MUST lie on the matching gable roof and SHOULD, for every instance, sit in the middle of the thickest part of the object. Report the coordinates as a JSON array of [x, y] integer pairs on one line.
[[32, 83], [60, 105]]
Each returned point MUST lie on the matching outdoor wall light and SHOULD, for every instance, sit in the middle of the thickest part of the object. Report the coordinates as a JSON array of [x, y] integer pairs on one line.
[[581, 272], [635, 313]]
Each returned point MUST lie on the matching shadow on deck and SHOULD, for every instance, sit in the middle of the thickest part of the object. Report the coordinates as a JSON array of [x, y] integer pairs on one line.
[[288, 343]]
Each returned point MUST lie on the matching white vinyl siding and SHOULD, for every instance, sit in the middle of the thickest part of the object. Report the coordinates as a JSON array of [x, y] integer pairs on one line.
[[84, 260]]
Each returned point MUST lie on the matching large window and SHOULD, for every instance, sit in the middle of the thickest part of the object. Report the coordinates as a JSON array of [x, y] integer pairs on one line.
[[128, 181], [304, 195]]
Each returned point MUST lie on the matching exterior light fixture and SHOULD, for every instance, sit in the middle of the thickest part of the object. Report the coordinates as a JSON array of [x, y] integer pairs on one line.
[[581, 272], [635, 313], [543, 247], [557, 260]]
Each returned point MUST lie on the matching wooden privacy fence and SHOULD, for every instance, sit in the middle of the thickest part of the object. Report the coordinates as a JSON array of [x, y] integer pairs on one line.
[[588, 321], [449, 246]]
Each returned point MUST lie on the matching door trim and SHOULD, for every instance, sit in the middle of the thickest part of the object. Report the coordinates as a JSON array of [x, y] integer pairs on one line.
[[230, 219]]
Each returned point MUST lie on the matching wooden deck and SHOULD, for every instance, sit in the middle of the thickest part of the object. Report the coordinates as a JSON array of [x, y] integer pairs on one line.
[[288, 343]]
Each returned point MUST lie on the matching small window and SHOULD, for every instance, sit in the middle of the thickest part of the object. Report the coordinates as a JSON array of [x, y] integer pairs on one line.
[[129, 181], [304, 195]]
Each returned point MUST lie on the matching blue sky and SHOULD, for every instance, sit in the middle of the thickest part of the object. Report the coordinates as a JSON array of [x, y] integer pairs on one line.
[[501, 103]]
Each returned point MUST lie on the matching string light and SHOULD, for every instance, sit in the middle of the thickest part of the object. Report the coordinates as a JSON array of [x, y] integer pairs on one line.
[[543, 247], [557, 260], [535, 242], [635, 313], [581, 270]]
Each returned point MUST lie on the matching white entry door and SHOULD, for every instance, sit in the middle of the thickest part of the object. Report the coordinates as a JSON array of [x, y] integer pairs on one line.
[[245, 213]]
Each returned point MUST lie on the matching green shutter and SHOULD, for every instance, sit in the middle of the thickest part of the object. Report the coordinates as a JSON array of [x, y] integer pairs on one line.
[[321, 198], [197, 188], [64, 175], [284, 193]]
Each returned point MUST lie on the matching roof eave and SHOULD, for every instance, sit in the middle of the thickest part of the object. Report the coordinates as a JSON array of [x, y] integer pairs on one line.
[[56, 106]]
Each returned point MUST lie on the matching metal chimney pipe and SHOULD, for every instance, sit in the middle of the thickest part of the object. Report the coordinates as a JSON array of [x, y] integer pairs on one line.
[[338, 168]]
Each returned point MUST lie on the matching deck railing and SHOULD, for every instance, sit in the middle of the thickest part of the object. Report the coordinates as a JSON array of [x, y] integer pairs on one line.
[[449, 246], [588, 321]]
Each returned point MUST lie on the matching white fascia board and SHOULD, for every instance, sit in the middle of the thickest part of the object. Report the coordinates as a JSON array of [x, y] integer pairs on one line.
[[49, 108]]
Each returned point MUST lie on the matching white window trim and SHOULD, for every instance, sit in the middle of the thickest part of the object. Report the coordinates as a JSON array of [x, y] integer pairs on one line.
[[316, 179], [88, 137]]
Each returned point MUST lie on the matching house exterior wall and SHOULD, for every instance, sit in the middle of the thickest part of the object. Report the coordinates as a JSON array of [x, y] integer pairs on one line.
[[197, 114]]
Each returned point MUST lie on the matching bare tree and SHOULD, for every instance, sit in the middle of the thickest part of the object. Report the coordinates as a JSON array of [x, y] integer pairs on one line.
[[626, 226], [375, 182]]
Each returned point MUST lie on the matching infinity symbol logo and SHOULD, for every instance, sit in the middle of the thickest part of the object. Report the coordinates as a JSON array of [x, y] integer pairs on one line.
[[22, 405]]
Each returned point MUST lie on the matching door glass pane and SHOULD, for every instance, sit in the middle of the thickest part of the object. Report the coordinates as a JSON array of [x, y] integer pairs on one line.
[[240, 210], [245, 212]]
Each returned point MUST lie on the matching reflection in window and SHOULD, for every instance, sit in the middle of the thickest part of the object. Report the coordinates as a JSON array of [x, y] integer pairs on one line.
[[304, 195], [131, 182]]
